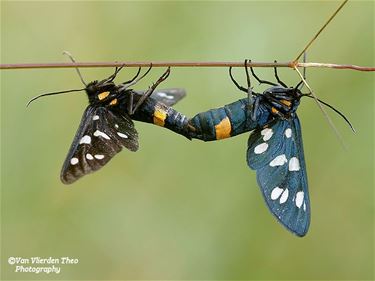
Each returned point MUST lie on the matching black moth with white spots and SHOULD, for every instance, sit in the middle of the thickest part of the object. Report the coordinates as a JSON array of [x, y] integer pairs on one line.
[[106, 126], [275, 152], [275, 148]]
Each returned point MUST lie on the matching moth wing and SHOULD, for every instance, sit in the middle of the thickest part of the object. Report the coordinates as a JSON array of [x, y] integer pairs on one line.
[[102, 133], [276, 153], [167, 96]]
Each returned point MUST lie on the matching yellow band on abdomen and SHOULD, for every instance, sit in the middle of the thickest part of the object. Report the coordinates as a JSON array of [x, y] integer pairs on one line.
[[159, 116], [223, 129]]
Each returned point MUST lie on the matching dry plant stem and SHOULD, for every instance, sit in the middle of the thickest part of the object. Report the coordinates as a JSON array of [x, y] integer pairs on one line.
[[291, 64], [146, 64], [321, 29], [335, 66]]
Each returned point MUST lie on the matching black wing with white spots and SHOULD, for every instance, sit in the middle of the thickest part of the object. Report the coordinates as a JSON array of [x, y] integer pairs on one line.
[[101, 134], [276, 153]]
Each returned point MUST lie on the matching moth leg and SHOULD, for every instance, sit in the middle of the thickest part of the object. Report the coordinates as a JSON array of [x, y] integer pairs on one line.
[[130, 102], [135, 77], [276, 112], [277, 77], [250, 98], [299, 84], [151, 89], [235, 82], [135, 80], [259, 80], [113, 76], [255, 109]]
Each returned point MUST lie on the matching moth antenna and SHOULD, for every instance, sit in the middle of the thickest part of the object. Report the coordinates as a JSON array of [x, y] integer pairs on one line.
[[335, 110], [76, 68], [53, 93], [330, 122]]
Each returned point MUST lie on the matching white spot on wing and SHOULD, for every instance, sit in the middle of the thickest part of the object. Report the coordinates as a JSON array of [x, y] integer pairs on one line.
[[95, 117], [304, 206], [276, 192], [99, 156], [278, 161], [98, 133], [284, 196], [122, 135], [294, 164], [74, 161], [89, 156], [288, 133], [85, 139], [260, 148], [266, 133], [299, 199], [116, 126]]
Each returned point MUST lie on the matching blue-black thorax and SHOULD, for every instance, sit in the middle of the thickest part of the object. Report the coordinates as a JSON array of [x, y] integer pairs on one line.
[[274, 102]]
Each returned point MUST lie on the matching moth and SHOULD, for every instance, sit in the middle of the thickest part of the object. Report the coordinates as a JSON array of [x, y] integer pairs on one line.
[[275, 146], [107, 123]]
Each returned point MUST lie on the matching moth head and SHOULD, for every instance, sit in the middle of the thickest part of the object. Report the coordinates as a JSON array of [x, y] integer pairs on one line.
[[295, 93], [282, 101], [278, 90], [101, 91]]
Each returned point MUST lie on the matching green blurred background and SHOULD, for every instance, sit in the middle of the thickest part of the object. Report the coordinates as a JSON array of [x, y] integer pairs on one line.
[[178, 209]]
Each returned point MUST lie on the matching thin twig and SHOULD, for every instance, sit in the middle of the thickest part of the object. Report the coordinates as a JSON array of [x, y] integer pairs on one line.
[[336, 66], [145, 64], [183, 64], [321, 29]]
